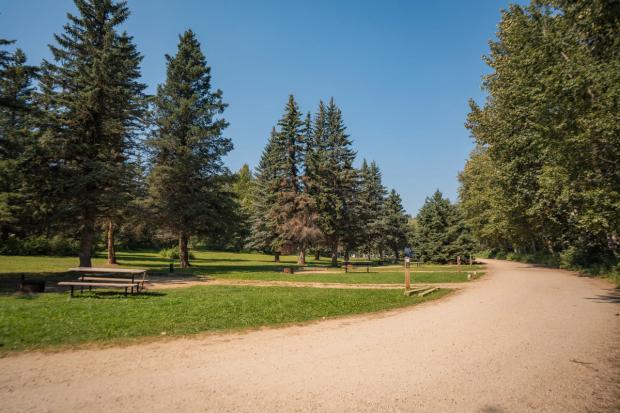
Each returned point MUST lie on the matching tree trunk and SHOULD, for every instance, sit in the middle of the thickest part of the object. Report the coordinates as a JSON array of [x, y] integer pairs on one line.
[[396, 254], [317, 255], [183, 252], [276, 257], [334, 255], [347, 255], [87, 237], [111, 250], [301, 260]]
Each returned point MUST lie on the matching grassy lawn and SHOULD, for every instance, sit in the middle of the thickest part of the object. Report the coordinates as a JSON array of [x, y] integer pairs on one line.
[[53, 319], [355, 277], [252, 266]]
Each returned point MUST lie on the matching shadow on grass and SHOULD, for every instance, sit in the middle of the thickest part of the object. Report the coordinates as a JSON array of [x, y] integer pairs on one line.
[[107, 295]]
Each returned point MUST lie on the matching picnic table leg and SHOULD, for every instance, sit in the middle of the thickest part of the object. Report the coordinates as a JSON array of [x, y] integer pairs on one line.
[[367, 268], [125, 291], [71, 291]]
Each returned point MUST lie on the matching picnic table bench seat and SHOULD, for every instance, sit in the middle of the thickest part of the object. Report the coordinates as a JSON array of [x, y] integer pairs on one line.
[[125, 286]]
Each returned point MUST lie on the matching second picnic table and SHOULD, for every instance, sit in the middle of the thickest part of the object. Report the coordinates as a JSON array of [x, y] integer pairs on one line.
[[96, 277]]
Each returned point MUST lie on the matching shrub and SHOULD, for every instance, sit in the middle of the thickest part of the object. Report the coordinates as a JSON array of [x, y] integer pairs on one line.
[[40, 245], [173, 253]]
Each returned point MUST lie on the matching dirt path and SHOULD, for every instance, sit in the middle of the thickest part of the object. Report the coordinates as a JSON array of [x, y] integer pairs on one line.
[[521, 339], [179, 283]]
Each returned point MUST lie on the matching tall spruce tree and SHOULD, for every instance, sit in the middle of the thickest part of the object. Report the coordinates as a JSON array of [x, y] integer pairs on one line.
[[93, 104], [263, 233], [187, 178], [331, 177], [294, 210], [16, 95], [371, 208]]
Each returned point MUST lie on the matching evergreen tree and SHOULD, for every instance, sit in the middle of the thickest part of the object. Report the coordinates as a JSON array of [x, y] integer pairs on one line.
[[187, 179], [441, 234], [371, 208], [294, 210], [15, 137], [263, 233], [395, 222], [243, 187], [93, 104], [332, 178]]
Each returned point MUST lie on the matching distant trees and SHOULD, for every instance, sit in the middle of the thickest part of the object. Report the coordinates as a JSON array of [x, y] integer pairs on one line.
[[87, 159], [440, 232], [187, 179], [395, 224], [544, 177], [308, 194]]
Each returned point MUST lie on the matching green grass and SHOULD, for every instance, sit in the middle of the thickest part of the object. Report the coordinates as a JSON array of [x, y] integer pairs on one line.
[[354, 277], [54, 319], [252, 266]]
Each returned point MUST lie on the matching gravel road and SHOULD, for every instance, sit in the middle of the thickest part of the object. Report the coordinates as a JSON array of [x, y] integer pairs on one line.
[[521, 339]]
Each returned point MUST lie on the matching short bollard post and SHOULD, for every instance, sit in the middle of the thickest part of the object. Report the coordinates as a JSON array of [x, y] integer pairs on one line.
[[407, 275]]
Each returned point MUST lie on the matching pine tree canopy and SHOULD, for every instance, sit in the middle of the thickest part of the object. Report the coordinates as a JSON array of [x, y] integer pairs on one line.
[[93, 105], [188, 178]]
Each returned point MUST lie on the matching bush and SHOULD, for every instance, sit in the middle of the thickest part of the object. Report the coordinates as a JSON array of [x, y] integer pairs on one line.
[[40, 245], [173, 253]]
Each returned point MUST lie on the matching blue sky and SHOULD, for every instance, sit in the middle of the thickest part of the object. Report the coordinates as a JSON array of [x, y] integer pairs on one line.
[[401, 71]]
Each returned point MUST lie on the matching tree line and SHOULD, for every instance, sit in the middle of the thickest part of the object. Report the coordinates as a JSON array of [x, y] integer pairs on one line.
[[86, 155], [544, 178], [307, 195]]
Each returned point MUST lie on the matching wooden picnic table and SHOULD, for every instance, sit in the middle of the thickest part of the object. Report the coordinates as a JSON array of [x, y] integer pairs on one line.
[[366, 264], [96, 277]]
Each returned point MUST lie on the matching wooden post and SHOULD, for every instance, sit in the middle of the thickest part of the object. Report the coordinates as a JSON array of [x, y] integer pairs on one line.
[[407, 275], [458, 262]]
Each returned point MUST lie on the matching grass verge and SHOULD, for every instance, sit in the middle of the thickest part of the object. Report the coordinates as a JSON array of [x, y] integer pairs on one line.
[[354, 277], [54, 320]]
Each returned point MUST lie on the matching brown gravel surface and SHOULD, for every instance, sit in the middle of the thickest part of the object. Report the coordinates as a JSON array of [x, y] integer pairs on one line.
[[172, 283], [521, 339]]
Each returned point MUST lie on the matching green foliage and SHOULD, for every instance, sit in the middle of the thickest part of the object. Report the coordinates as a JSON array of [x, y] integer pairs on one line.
[[92, 105], [263, 234], [370, 209], [242, 188], [16, 104], [395, 222], [172, 253], [39, 245], [544, 178], [331, 179], [188, 183], [441, 233], [285, 215]]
